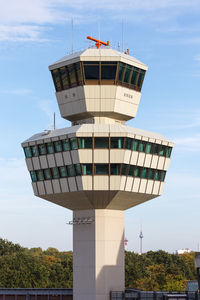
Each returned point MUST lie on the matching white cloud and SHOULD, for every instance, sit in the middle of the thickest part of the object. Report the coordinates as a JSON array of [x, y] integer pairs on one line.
[[191, 143], [24, 20], [20, 92]]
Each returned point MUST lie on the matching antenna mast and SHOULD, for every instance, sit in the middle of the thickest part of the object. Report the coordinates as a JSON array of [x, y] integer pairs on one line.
[[54, 121], [72, 35], [141, 237]]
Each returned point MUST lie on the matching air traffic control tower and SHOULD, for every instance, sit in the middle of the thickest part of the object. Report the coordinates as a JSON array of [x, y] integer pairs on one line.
[[98, 167]]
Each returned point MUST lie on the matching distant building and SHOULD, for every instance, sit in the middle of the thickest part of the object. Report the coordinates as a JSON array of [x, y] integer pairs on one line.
[[182, 251]]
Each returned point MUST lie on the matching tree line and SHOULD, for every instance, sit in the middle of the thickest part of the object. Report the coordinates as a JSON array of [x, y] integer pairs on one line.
[[34, 268]]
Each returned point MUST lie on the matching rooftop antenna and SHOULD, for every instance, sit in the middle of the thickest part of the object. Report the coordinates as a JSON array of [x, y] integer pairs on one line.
[[99, 33], [54, 121], [122, 35], [141, 237], [72, 35]]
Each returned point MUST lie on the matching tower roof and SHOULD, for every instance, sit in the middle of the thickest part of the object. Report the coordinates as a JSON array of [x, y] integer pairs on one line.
[[102, 54]]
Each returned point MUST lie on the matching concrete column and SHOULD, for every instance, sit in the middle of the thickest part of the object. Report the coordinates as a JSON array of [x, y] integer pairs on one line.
[[98, 263]]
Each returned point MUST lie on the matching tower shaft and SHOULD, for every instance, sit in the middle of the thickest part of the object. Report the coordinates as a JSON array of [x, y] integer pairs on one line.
[[98, 263]]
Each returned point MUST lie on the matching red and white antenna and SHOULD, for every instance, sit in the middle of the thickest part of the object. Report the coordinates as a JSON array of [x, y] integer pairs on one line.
[[125, 242]]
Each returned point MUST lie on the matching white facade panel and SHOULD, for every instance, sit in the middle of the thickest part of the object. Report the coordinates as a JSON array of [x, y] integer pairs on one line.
[[64, 185], [43, 162], [136, 185], [56, 186], [72, 184], [134, 158], [116, 156], [147, 160], [85, 156], [101, 156], [29, 164], [166, 164], [41, 188], [141, 158], [59, 159], [67, 158], [149, 186], [129, 183], [115, 182], [154, 162], [51, 160], [101, 182], [156, 187], [48, 186], [36, 163], [143, 183], [161, 162], [87, 182]]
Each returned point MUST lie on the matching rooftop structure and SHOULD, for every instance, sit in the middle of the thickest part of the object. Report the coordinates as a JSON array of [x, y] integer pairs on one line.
[[98, 167]]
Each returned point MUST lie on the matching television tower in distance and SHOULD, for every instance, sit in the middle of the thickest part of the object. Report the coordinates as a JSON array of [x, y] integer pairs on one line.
[[141, 237]]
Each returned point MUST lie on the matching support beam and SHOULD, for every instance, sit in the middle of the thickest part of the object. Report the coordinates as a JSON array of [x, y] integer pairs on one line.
[[98, 263]]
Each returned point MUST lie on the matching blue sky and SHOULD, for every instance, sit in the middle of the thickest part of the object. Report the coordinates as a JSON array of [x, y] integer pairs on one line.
[[164, 34]]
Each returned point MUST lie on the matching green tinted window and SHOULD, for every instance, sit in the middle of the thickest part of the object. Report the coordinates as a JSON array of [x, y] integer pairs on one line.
[[161, 150], [85, 143], [140, 79], [47, 174], [127, 74], [86, 169], [135, 145], [63, 171], [78, 169], [40, 175], [101, 142], [128, 143], [58, 146], [55, 173], [78, 71], [57, 80], [155, 149], [72, 75], [130, 171], [121, 69], [108, 70], [150, 174], [162, 175], [50, 148], [65, 145], [136, 172], [115, 169], [124, 169], [42, 149], [168, 151], [116, 142], [144, 173], [71, 171], [142, 145], [148, 148], [101, 169], [64, 78], [73, 142], [33, 176], [35, 151], [91, 70], [134, 76], [156, 175], [27, 151]]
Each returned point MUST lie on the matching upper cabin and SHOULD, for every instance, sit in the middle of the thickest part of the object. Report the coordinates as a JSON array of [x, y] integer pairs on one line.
[[98, 86]]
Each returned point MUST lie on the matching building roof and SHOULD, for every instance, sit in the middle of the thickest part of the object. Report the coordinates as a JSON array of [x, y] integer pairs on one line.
[[98, 130], [93, 54]]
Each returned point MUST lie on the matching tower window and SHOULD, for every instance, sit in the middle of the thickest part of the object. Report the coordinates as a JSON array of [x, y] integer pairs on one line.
[[101, 169], [91, 70], [101, 142], [108, 70], [86, 169], [116, 142], [85, 143], [27, 151], [57, 80], [115, 169]]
